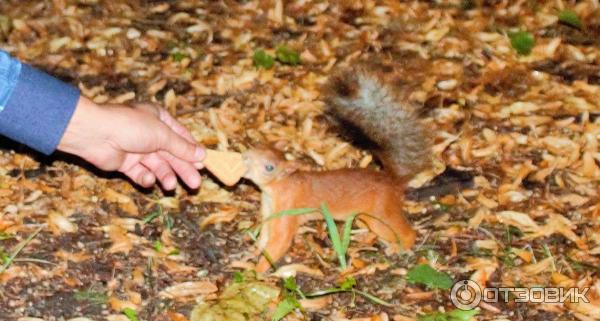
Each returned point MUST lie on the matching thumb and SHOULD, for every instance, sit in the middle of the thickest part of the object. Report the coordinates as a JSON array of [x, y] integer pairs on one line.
[[180, 147]]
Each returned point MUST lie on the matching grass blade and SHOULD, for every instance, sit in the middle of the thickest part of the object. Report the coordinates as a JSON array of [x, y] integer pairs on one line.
[[18, 249], [398, 240], [373, 298], [148, 218], [290, 212], [325, 292], [263, 252], [346, 232], [334, 235]]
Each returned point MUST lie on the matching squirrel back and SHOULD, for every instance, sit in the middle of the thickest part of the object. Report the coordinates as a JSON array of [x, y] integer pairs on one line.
[[360, 97]]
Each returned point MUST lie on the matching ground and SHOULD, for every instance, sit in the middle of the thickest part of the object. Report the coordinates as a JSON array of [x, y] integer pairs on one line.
[[522, 129]]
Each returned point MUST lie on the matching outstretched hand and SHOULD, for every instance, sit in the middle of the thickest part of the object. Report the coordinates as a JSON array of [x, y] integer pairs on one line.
[[144, 142]]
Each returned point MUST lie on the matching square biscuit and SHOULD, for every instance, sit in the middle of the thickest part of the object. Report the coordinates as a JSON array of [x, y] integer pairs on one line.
[[228, 167]]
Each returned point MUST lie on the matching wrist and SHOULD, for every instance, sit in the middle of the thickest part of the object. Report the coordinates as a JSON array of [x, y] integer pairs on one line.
[[86, 118]]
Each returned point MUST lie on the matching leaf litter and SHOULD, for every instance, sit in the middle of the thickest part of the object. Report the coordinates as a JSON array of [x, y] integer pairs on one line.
[[523, 121]]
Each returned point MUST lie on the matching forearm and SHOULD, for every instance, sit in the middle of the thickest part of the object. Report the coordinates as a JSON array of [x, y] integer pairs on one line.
[[35, 107], [144, 143]]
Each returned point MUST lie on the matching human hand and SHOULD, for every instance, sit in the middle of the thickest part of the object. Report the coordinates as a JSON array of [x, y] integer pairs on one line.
[[145, 143]]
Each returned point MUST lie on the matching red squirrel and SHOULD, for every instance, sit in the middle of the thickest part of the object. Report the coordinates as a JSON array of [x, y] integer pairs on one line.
[[359, 97]]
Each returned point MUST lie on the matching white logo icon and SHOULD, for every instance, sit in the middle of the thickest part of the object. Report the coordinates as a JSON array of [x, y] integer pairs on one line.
[[465, 294]]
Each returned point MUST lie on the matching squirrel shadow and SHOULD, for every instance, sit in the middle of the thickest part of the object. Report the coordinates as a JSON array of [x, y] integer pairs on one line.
[[451, 181]]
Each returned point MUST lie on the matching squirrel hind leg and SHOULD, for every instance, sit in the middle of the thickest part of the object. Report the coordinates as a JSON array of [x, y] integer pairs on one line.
[[389, 223]]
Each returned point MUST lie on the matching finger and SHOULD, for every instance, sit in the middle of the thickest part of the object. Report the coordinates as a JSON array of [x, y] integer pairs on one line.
[[166, 118], [161, 169], [151, 108], [179, 147], [141, 175], [176, 126], [188, 173]]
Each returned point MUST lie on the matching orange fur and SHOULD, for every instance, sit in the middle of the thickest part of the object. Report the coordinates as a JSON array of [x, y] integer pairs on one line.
[[344, 191], [363, 101]]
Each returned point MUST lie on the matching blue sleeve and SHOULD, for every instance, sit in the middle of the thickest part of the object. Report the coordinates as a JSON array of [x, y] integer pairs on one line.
[[35, 107]]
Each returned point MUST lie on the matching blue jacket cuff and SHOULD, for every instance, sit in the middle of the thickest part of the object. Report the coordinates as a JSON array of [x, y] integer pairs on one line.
[[38, 110]]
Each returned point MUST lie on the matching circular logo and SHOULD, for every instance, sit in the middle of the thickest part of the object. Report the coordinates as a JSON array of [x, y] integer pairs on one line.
[[465, 294]]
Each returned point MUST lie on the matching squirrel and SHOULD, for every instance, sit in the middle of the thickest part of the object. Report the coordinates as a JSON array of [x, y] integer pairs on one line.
[[361, 98]]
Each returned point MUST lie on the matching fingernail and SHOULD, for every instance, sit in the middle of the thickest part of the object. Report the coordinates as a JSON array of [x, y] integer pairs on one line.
[[200, 153], [194, 182], [170, 183]]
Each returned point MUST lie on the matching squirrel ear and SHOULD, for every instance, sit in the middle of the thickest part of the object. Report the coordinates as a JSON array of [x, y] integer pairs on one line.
[[279, 145], [289, 168]]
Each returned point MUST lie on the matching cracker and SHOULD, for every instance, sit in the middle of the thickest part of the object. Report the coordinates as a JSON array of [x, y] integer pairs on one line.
[[228, 167]]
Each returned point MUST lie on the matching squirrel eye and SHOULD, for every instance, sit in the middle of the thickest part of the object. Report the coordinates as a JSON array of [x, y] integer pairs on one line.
[[269, 168]]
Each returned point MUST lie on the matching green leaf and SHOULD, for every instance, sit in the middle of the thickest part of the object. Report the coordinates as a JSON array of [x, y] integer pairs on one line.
[[290, 284], [157, 245], [522, 41], [4, 257], [263, 59], [148, 218], [287, 55], [334, 235], [130, 314], [428, 276], [238, 277], [178, 56], [569, 17], [462, 315], [285, 307], [174, 252], [348, 283], [5, 236], [454, 315]]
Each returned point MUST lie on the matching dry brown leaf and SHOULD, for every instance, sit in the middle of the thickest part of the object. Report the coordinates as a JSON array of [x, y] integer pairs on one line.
[[124, 201], [120, 239], [316, 304], [224, 216], [293, 269], [60, 224], [539, 267], [187, 289], [518, 219]]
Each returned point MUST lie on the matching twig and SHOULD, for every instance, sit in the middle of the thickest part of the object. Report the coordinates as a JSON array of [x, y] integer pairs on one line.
[[34, 261]]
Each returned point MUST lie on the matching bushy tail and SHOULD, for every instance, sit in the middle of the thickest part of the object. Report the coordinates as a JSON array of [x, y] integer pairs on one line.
[[361, 97]]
